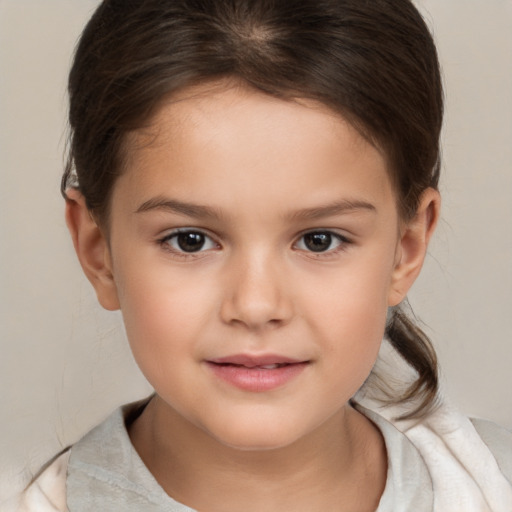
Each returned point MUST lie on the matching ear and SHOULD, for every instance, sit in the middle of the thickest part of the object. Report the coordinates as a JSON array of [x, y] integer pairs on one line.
[[92, 249], [412, 246]]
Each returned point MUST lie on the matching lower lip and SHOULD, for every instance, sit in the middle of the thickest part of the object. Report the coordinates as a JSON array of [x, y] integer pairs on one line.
[[257, 380]]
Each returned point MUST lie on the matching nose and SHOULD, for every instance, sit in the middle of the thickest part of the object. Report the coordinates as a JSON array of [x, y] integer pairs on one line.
[[257, 295]]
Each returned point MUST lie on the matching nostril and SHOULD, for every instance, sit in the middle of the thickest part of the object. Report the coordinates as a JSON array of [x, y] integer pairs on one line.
[[255, 297]]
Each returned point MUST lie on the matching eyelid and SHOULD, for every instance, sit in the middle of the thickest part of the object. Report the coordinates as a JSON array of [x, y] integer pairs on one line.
[[163, 242], [342, 238]]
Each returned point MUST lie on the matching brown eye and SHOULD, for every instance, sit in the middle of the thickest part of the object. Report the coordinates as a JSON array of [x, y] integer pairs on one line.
[[188, 241], [318, 242], [321, 241]]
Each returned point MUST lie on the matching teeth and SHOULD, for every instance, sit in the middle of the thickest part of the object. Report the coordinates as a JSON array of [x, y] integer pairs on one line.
[[257, 367]]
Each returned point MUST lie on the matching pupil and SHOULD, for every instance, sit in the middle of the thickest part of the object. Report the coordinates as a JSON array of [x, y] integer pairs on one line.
[[318, 242], [191, 242]]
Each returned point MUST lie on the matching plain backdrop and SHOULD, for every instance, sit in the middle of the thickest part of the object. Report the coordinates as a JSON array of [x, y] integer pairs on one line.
[[64, 363]]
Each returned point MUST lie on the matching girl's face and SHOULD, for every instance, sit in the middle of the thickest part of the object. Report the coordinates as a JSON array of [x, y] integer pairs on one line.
[[255, 247]]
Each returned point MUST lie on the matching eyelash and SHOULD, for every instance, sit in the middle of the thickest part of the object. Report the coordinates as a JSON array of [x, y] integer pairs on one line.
[[342, 242], [164, 243]]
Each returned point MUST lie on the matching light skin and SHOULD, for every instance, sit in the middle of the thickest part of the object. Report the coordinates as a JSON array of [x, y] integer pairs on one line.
[[299, 251]]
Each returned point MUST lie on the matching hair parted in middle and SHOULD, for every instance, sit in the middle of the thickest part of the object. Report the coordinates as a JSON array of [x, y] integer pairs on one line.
[[373, 62]]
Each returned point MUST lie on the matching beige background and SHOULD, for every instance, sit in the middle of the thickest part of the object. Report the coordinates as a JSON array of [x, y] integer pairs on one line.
[[64, 363]]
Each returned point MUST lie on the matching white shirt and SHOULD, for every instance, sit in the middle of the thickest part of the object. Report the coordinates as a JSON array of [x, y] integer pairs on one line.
[[441, 463]]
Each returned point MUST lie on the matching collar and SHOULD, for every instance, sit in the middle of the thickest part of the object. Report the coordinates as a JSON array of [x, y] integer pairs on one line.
[[106, 473]]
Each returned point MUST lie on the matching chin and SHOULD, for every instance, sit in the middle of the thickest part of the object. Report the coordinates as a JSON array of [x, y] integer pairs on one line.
[[256, 443], [256, 435]]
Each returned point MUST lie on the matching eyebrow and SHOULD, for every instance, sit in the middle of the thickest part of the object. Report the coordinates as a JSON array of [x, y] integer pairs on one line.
[[336, 208], [174, 206], [207, 212]]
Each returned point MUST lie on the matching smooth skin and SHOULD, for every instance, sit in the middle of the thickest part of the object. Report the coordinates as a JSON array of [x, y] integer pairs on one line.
[[252, 183]]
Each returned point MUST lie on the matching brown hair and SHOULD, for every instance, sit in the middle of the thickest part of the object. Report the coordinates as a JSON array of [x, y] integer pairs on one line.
[[372, 61]]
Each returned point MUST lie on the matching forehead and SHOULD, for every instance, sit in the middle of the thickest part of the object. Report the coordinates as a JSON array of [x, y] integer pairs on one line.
[[253, 144], [196, 105]]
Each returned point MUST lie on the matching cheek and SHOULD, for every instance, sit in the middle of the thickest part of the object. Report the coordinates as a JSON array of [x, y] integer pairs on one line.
[[350, 315], [164, 313], [354, 297], [164, 332]]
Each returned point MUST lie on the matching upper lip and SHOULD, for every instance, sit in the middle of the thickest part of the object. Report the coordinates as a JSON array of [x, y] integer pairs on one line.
[[255, 360]]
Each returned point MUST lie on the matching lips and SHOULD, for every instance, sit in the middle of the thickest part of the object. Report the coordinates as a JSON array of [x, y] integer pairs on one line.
[[256, 373], [250, 361]]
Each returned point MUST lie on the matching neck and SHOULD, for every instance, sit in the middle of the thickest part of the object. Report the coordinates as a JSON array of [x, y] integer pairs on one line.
[[341, 465]]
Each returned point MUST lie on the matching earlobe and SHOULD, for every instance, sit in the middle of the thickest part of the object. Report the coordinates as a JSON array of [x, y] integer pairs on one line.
[[413, 245], [92, 249]]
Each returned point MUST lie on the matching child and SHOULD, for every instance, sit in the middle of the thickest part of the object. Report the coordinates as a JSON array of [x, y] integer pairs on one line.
[[254, 185]]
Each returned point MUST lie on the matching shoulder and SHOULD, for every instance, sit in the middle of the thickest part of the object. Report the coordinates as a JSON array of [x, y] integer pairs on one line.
[[49, 489], [464, 458], [499, 442], [47, 492], [469, 461]]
